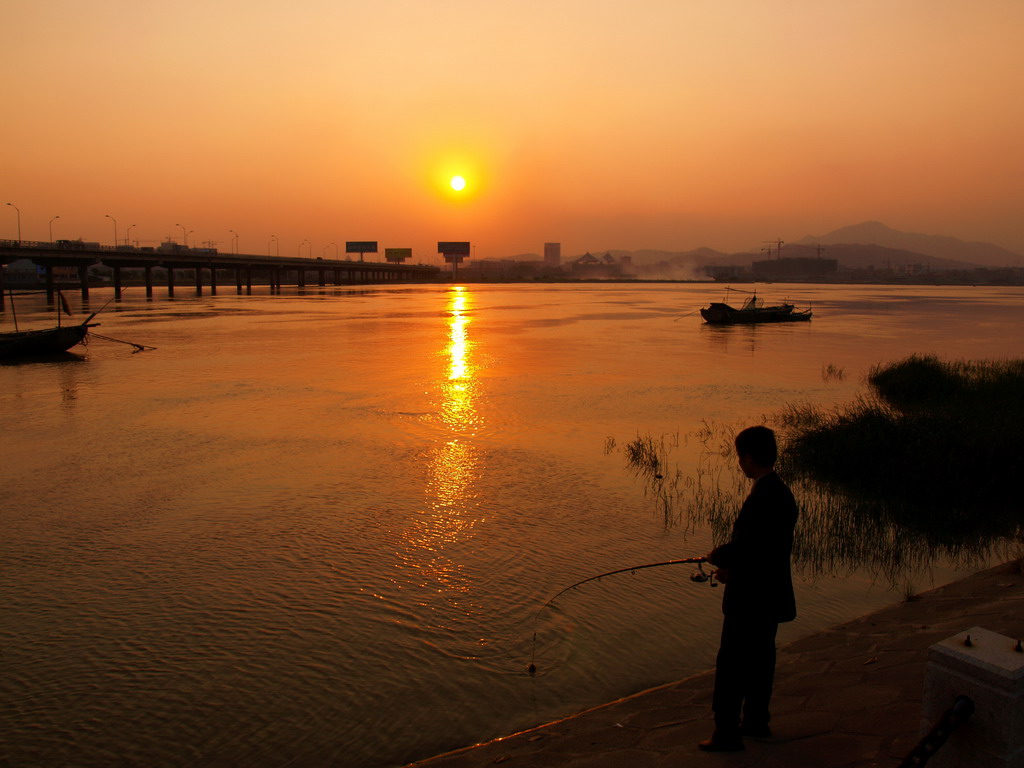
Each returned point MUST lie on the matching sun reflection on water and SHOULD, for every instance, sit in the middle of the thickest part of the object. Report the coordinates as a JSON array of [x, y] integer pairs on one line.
[[451, 505], [458, 410]]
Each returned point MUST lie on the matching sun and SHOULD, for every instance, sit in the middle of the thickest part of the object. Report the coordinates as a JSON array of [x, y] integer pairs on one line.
[[458, 183]]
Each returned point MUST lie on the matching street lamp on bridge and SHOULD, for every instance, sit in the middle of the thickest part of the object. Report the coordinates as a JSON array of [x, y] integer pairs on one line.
[[18, 211], [51, 227], [273, 239], [234, 241], [115, 227], [128, 235], [184, 234]]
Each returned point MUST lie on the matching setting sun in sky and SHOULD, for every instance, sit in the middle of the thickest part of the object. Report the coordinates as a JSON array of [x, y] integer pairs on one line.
[[597, 124]]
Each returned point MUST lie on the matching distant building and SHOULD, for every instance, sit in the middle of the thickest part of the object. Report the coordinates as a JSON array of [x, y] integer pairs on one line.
[[500, 270], [794, 268], [912, 269], [590, 267], [26, 273], [725, 272], [552, 254], [169, 246]]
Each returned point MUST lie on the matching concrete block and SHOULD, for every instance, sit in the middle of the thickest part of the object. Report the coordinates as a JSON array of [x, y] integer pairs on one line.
[[991, 673]]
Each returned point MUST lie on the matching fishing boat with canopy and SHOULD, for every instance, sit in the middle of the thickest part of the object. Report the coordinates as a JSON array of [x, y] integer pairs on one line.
[[753, 310], [45, 341]]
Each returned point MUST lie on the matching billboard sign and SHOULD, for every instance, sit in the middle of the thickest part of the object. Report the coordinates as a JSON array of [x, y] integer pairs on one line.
[[453, 248], [361, 246], [397, 254]]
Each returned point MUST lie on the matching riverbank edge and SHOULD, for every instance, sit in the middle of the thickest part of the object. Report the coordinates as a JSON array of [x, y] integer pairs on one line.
[[848, 696]]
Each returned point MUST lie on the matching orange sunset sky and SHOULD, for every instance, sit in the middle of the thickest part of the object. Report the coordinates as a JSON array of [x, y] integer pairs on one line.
[[600, 124]]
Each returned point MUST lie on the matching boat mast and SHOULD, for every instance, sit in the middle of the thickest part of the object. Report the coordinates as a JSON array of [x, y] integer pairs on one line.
[[14, 312]]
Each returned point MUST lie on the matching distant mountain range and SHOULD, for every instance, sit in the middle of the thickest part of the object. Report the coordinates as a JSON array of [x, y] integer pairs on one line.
[[856, 247], [936, 246]]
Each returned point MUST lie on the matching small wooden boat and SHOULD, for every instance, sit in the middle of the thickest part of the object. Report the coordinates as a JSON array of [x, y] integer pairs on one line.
[[47, 341], [753, 311]]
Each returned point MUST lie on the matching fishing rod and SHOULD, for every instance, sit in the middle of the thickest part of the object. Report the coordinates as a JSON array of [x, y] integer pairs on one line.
[[90, 317], [86, 323], [698, 576]]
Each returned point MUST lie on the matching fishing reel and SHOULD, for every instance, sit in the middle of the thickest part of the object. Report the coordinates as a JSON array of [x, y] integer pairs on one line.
[[700, 576]]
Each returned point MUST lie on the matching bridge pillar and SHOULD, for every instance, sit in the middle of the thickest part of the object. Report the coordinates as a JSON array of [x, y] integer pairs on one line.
[[320, 274], [213, 279], [300, 277], [248, 280], [149, 281], [3, 301], [170, 282], [199, 281], [83, 278], [117, 283]]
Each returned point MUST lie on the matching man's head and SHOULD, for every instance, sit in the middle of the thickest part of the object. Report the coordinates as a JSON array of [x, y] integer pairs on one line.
[[757, 451]]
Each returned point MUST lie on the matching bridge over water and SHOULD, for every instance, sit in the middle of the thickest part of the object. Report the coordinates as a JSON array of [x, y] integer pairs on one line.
[[241, 269]]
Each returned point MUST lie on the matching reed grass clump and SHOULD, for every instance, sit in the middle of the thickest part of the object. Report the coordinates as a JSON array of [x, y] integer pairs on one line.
[[832, 372], [924, 467], [938, 443]]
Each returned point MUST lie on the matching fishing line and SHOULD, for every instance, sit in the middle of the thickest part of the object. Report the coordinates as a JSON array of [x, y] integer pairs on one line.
[[688, 314], [698, 576]]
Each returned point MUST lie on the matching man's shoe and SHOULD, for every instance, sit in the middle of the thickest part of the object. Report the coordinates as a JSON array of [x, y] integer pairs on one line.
[[720, 743], [756, 731]]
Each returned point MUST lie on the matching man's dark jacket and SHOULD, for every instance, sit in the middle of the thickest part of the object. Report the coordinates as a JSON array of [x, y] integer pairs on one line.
[[757, 557]]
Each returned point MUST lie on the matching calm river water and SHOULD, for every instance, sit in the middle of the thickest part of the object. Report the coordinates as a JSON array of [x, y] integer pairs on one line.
[[315, 529]]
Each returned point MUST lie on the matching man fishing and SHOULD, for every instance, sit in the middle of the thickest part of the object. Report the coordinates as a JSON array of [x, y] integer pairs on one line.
[[754, 565]]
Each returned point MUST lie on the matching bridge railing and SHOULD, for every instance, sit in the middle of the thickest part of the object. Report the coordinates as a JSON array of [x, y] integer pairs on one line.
[[69, 245], [78, 246]]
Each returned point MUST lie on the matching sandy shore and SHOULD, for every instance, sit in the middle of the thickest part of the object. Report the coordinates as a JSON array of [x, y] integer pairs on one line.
[[846, 697]]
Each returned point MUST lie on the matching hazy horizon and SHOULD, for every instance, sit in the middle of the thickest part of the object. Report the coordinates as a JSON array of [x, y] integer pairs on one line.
[[596, 125]]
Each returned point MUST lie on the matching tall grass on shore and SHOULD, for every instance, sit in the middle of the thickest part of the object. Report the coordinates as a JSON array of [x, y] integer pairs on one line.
[[704, 495], [924, 467], [936, 445]]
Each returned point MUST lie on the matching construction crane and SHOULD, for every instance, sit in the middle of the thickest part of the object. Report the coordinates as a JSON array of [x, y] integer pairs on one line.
[[816, 246], [778, 251]]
